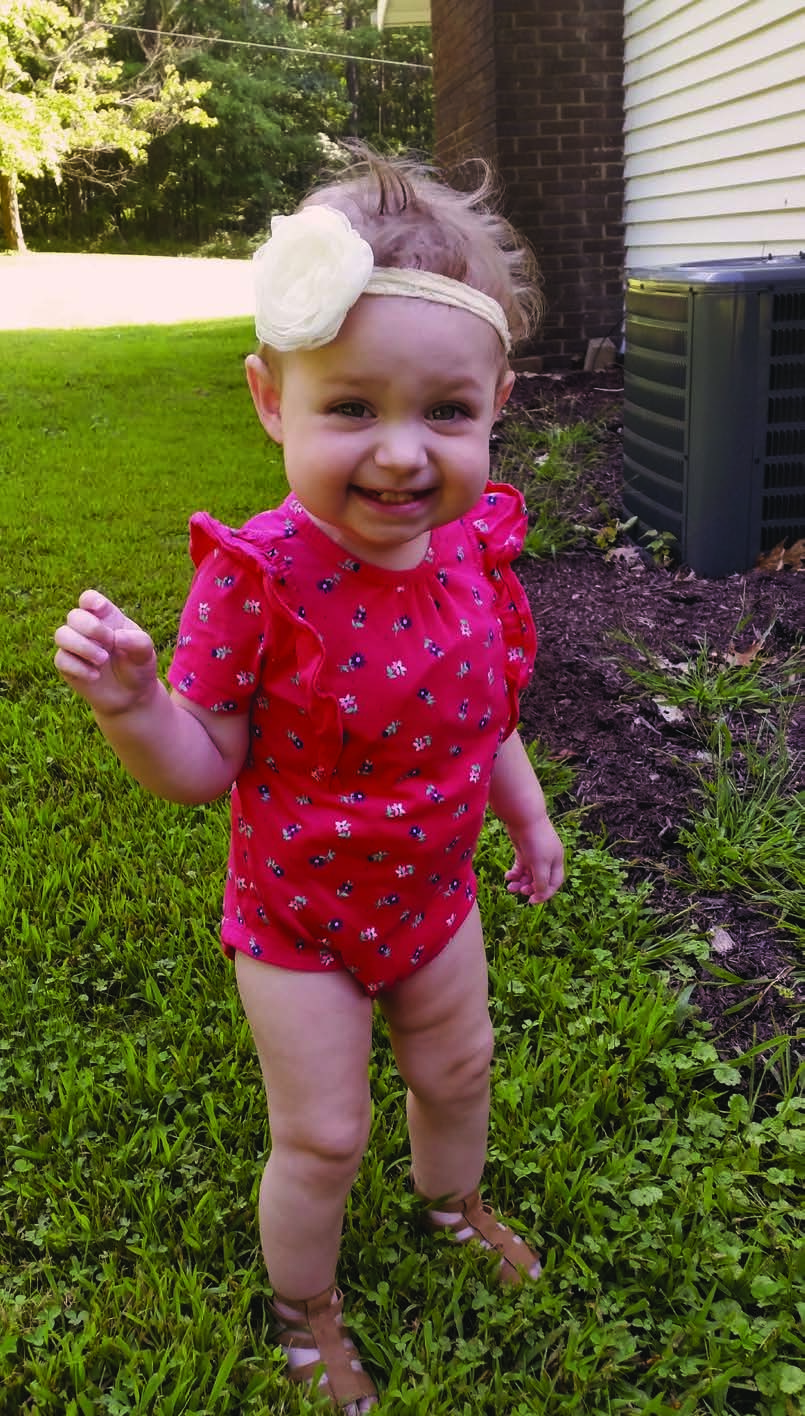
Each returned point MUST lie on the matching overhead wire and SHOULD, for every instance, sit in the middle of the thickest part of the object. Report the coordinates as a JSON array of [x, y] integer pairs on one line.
[[258, 44]]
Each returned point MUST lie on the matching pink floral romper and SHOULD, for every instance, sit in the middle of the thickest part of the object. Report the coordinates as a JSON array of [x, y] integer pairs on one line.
[[377, 701]]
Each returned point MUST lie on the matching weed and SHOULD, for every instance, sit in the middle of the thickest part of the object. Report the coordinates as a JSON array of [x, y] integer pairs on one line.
[[662, 546], [748, 836], [713, 684], [548, 534], [551, 455], [544, 463]]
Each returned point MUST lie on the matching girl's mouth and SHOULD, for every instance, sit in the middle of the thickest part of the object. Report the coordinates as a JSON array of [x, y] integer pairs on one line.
[[392, 498]]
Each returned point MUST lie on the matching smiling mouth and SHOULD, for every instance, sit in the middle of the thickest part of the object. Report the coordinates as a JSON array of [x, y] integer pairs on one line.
[[393, 498]]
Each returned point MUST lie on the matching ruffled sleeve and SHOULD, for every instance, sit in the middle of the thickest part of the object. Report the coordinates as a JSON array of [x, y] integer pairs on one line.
[[222, 632], [235, 616], [499, 520]]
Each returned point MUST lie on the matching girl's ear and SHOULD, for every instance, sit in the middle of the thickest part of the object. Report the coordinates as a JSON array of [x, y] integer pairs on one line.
[[265, 396], [503, 390]]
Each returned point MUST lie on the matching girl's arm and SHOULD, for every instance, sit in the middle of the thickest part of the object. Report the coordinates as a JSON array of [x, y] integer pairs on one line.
[[516, 797], [169, 745]]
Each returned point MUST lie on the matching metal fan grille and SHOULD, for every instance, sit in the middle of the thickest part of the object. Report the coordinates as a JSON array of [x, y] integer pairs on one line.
[[656, 407], [783, 499]]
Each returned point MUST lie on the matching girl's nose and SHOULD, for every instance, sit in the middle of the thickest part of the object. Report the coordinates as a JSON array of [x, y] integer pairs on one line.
[[401, 447]]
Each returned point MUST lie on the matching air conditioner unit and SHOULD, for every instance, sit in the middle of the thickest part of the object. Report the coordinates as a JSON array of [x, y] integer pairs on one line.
[[714, 407]]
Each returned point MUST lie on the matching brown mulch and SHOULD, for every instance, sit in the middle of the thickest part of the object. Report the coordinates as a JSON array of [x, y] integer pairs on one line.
[[637, 775]]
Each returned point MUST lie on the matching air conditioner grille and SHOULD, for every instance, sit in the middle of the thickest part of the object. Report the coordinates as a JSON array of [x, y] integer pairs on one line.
[[787, 343], [788, 305], [782, 475], [785, 442], [655, 403], [788, 409], [783, 489], [787, 374]]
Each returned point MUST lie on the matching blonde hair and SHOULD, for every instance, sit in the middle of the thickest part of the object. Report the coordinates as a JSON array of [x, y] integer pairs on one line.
[[413, 220]]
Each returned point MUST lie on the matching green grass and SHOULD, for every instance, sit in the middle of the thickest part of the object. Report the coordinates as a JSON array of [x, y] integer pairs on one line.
[[748, 836], [710, 684], [544, 463], [662, 1182]]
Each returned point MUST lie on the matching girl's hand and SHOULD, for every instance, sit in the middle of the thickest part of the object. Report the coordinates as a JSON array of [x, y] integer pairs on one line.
[[104, 656], [538, 868]]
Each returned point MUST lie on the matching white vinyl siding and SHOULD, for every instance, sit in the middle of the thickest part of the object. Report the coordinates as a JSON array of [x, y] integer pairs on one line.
[[402, 12], [714, 94]]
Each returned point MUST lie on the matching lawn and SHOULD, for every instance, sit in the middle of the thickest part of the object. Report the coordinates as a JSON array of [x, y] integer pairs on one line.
[[661, 1182]]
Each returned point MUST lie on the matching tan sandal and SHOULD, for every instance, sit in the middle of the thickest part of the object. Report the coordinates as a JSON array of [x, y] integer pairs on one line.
[[470, 1219], [317, 1326]]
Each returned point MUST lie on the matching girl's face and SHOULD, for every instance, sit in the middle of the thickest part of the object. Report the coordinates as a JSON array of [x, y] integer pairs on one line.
[[385, 431]]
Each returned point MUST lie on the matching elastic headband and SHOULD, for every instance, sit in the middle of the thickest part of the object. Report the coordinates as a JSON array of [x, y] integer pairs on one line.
[[315, 266]]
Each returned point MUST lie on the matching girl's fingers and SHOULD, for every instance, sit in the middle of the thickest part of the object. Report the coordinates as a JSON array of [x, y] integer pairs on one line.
[[90, 627], [135, 644], [78, 645], [70, 666], [99, 605]]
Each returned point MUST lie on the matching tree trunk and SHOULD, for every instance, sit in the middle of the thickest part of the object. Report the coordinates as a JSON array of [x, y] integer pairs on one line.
[[10, 212], [351, 75], [75, 208]]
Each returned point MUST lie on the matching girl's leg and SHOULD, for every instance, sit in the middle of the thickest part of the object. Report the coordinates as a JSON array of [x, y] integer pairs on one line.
[[313, 1034], [442, 1039]]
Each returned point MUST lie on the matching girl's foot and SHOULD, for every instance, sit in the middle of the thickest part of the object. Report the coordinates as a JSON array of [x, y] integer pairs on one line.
[[470, 1220], [313, 1337]]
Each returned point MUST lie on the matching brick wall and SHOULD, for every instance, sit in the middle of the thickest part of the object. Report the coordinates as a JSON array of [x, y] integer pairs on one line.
[[536, 86], [464, 57]]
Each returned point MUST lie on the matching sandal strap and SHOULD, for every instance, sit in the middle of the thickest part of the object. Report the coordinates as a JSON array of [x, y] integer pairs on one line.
[[320, 1327], [517, 1259]]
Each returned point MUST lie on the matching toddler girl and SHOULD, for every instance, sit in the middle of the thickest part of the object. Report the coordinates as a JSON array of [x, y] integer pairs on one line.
[[351, 661]]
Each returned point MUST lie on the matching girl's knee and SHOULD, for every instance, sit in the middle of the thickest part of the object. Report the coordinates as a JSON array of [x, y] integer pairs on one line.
[[335, 1144], [459, 1074]]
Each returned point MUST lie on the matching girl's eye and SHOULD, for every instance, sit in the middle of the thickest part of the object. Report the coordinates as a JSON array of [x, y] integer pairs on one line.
[[352, 409], [446, 412]]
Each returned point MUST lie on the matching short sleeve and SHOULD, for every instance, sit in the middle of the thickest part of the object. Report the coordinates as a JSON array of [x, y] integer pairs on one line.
[[500, 521], [222, 632]]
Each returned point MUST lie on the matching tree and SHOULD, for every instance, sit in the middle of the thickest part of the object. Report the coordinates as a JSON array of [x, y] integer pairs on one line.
[[280, 93], [64, 99]]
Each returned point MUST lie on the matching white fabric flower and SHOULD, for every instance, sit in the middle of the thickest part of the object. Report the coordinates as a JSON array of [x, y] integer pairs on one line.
[[308, 275]]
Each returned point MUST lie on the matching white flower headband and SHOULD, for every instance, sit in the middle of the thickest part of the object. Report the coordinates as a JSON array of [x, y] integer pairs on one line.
[[315, 266]]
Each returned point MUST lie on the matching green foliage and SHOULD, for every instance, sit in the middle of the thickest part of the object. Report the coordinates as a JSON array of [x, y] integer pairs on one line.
[[748, 836], [662, 1183], [544, 462], [62, 93], [711, 684], [278, 102], [535, 457]]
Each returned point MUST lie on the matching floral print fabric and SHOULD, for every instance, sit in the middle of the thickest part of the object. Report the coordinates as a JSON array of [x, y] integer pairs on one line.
[[377, 702]]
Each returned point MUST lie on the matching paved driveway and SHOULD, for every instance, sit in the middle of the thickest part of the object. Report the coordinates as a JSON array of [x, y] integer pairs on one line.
[[45, 291]]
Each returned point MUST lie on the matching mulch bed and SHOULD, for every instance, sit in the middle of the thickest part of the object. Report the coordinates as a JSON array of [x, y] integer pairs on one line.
[[636, 774]]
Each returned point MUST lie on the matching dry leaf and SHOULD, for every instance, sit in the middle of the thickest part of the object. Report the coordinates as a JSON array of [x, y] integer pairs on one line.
[[795, 557], [722, 942], [629, 555], [773, 559], [739, 659], [778, 558], [669, 711]]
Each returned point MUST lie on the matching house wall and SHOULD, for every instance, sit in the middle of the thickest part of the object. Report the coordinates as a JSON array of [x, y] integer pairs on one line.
[[714, 130], [536, 87], [465, 74], [402, 12]]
